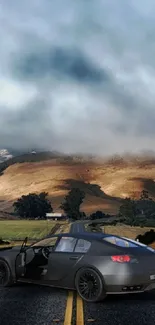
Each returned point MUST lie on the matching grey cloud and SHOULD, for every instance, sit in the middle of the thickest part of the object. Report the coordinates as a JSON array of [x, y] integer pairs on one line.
[[92, 64], [29, 127], [61, 63]]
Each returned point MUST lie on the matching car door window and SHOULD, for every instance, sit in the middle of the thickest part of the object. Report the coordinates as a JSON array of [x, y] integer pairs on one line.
[[66, 244], [82, 246]]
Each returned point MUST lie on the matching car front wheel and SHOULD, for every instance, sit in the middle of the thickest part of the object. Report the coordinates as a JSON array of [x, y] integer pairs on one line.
[[89, 285], [5, 275]]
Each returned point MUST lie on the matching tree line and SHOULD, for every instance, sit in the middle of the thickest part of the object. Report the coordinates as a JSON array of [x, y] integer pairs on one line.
[[34, 205], [134, 212], [138, 212]]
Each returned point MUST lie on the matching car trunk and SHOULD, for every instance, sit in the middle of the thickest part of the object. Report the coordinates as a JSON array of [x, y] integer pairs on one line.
[[145, 258]]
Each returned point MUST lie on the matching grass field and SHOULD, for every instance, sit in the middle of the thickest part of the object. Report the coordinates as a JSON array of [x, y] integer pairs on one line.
[[19, 229], [126, 231]]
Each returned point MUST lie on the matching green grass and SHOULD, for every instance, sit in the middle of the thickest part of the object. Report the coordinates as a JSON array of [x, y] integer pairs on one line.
[[19, 229]]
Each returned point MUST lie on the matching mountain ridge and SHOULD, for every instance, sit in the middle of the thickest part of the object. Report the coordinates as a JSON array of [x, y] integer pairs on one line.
[[105, 181]]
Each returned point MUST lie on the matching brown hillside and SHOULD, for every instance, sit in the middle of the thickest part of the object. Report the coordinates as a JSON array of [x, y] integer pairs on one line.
[[104, 182]]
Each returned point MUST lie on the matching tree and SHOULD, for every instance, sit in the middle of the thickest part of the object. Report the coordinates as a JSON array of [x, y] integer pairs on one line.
[[147, 238], [32, 205], [146, 205], [72, 202], [144, 195], [97, 215], [128, 210]]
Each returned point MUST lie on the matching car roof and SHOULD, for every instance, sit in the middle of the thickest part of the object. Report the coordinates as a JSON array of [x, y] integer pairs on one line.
[[86, 235]]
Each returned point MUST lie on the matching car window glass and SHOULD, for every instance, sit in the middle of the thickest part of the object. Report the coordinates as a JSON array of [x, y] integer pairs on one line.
[[140, 244], [82, 246], [46, 242], [119, 242], [66, 244]]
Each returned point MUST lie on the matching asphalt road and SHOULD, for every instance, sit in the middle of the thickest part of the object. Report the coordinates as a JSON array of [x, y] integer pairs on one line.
[[30, 304], [77, 227], [120, 310]]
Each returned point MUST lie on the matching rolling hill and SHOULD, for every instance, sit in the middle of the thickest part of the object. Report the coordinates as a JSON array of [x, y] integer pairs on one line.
[[105, 181]]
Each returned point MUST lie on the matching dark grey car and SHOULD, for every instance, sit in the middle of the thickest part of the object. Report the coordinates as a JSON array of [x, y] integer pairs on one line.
[[95, 264]]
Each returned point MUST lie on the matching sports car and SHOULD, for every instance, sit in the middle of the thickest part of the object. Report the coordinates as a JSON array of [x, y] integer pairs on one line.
[[94, 264]]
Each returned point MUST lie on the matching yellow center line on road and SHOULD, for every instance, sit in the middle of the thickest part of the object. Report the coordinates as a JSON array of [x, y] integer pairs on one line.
[[79, 311], [69, 309]]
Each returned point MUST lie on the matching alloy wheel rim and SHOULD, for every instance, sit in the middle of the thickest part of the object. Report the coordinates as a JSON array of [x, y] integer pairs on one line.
[[89, 285]]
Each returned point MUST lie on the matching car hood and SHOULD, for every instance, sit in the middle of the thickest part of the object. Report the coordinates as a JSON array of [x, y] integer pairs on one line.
[[14, 250], [10, 248], [9, 254]]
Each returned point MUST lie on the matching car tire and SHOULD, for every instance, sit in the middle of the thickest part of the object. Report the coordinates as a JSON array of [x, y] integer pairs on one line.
[[6, 278], [89, 285]]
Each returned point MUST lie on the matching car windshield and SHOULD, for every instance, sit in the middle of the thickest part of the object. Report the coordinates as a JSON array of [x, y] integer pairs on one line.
[[46, 242]]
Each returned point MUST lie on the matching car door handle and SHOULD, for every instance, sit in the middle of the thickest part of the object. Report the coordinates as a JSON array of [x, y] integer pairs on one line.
[[74, 258]]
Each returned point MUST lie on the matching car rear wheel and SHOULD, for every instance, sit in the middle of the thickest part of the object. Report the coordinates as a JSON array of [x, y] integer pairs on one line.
[[89, 285], [5, 275]]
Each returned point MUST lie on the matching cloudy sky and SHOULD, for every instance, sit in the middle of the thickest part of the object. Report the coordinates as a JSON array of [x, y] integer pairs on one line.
[[77, 76]]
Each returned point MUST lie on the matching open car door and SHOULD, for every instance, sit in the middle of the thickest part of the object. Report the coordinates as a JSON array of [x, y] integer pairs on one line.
[[32, 262], [20, 265], [20, 262]]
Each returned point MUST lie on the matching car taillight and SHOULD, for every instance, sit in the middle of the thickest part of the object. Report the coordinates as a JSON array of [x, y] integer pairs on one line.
[[121, 258]]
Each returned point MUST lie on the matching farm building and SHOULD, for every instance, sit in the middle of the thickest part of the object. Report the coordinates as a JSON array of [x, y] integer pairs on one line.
[[55, 216]]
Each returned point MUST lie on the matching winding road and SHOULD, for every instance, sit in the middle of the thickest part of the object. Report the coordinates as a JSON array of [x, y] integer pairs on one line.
[[77, 227], [35, 305]]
